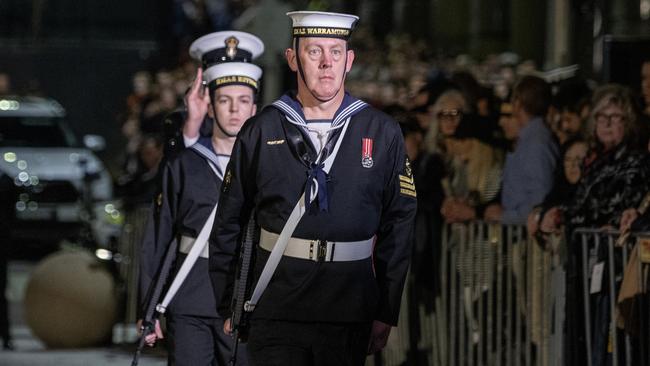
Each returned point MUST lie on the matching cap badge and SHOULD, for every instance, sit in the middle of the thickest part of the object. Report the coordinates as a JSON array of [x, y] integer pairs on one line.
[[231, 47]]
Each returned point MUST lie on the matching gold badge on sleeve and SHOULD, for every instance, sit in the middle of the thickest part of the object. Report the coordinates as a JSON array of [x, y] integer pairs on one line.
[[406, 182]]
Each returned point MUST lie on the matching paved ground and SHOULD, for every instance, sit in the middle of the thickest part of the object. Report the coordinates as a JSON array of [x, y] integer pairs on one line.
[[29, 351]]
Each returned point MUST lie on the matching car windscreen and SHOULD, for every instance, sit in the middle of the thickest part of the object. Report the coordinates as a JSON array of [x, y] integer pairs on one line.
[[34, 132]]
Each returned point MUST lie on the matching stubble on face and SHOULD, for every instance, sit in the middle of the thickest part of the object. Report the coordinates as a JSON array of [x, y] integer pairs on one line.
[[324, 63]]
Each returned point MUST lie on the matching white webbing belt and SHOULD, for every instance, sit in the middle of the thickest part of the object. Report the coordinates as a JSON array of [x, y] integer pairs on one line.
[[185, 246], [289, 227], [320, 250]]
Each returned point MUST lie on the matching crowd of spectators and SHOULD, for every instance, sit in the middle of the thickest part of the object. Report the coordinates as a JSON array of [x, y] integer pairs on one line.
[[489, 140], [153, 97]]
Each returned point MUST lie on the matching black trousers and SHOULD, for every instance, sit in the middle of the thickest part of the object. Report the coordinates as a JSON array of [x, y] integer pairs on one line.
[[285, 343], [200, 341]]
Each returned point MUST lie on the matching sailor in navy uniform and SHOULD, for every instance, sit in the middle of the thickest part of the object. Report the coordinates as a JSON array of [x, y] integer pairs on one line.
[[342, 164], [191, 183], [183, 128]]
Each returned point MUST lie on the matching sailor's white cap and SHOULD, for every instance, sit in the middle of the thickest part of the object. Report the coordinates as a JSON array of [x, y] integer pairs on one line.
[[226, 46], [322, 24], [233, 73]]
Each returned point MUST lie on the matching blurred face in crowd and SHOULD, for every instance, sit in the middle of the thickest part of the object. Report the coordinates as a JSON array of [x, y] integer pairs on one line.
[[233, 105], [180, 86], [645, 84], [610, 125], [553, 120], [165, 79], [424, 118], [570, 123], [573, 159], [448, 118], [510, 126], [151, 153], [324, 63], [131, 127], [141, 83], [420, 98], [168, 99], [483, 107]]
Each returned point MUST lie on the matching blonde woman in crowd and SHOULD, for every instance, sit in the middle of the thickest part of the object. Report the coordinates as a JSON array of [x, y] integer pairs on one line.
[[447, 113], [477, 168]]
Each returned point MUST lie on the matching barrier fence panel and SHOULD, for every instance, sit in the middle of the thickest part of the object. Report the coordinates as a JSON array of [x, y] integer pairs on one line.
[[614, 273], [502, 300], [129, 246]]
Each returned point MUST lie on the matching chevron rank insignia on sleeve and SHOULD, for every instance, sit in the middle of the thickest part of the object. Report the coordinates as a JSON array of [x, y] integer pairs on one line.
[[406, 182]]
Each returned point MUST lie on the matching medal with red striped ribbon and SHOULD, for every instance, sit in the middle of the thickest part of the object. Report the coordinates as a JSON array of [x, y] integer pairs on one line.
[[366, 153]]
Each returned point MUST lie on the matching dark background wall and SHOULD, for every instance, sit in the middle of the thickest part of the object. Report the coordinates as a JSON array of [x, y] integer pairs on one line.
[[83, 54], [90, 79]]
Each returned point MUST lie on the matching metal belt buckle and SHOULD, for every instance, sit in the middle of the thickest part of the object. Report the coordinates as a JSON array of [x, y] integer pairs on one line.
[[321, 250]]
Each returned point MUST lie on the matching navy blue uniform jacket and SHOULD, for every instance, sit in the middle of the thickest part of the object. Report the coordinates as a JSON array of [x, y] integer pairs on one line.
[[265, 175], [189, 191]]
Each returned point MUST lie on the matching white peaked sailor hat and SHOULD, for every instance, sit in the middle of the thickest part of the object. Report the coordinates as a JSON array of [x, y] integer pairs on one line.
[[226, 46], [322, 24], [233, 73]]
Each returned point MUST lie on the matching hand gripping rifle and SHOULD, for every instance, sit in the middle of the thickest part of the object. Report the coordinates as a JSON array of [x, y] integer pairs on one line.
[[149, 320], [239, 319]]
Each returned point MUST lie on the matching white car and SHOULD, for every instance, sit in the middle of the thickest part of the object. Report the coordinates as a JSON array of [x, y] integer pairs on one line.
[[52, 173]]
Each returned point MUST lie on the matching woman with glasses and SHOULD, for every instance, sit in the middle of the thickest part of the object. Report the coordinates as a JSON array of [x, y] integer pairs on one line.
[[617, 168], [448, 110], [568, 175], [447, 113], [616, 176]]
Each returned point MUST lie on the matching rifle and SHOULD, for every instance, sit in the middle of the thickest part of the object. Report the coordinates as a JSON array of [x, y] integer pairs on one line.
[[149, 320], [240, 312]]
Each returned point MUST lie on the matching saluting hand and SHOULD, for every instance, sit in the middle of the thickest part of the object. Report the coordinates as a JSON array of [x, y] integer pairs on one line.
[[197, 102]]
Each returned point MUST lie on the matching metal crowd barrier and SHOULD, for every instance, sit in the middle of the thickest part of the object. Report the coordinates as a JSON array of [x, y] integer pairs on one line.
[[604, 265], [129, 247], [502, 301]]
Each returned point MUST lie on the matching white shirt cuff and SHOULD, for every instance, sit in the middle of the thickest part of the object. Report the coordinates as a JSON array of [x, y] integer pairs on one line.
[[189, 141]]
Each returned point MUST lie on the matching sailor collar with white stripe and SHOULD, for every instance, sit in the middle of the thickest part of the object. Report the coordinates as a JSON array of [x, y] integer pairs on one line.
[[292, 109], [204, 148], [207, 142]]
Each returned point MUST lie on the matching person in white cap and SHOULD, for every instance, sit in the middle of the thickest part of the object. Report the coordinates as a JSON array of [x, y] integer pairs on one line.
[[182, 128], [329, 182], [190, 189], [211, 49]]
